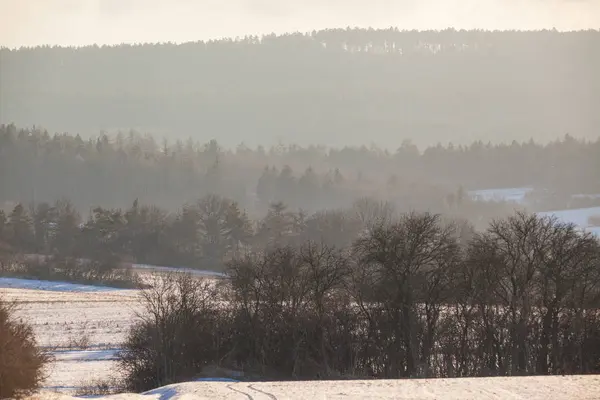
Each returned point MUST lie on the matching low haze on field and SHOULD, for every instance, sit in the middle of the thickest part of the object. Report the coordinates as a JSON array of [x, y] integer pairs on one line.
[[81, 22]]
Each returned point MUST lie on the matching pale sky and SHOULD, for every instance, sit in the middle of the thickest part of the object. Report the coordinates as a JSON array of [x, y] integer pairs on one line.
[[82, 22]]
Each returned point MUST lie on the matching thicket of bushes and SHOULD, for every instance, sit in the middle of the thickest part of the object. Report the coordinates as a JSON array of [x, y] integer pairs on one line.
[[70, 270], [411, 297], [22, 362]]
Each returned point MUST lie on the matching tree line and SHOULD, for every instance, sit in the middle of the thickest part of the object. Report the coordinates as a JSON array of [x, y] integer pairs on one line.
[[206, 233], [112, 171], [412, 296], [382, 84]]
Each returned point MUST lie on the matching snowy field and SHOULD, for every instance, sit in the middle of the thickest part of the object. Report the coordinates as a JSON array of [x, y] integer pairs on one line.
[[145, 268], [578, 216], [66, 316], [511, 195], [57, 286], [525, 388], [594, 230]]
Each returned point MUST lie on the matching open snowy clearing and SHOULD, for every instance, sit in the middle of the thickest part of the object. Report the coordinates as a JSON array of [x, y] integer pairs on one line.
[[57, 286], [578, 216], [511, 195], [72, 369], [60, 319], [594, 230], [529, 388], [66, 316]]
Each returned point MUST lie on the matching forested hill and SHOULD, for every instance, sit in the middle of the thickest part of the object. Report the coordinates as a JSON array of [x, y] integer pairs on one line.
[[333, 87]]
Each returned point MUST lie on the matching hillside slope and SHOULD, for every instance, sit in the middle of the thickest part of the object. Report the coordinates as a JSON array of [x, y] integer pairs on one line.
[[332, 87]]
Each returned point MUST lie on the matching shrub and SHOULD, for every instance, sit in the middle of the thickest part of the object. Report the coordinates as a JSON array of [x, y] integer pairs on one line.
[[100, 387], [22, 362], [177, 334], [72, 270], [79, 340]]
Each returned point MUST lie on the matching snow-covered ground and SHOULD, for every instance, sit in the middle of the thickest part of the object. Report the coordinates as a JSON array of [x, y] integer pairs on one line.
[[65, 315], [589, 196], [578, 216], [58, 317], [86, 355], [513, 195], [73, 369], [522, 388], [55, 286], [595, 230], [160, 269]]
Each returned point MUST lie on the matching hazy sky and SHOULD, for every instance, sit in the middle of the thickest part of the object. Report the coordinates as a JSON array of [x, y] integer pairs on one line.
[[80, 22]]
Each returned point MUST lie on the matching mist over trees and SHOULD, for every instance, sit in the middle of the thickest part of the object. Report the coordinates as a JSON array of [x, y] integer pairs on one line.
[[332, 87], [112, 172]]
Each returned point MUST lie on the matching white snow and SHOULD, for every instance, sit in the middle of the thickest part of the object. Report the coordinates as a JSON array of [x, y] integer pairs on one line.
[[578, 216], [513, 195], [191, 271], [62, 314], [72, 369], [594, 230], [586, 196], [517, 388], [54, 286], [86, 355]]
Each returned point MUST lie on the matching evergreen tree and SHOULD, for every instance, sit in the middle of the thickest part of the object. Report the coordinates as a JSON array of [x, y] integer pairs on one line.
[[19, 229]]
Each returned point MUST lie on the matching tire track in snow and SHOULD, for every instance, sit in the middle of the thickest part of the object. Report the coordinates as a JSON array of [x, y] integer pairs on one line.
[[248, 395], [269, 395]]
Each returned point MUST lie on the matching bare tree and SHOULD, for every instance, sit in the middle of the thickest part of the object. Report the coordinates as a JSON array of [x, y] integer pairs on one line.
[[372, 212], [176, 333], [528, 271], [409, 261], [327, 269]]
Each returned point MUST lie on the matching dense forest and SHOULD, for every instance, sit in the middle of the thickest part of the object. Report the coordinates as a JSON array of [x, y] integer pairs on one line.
[[332, 87], [36, 167], [206, 233]]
